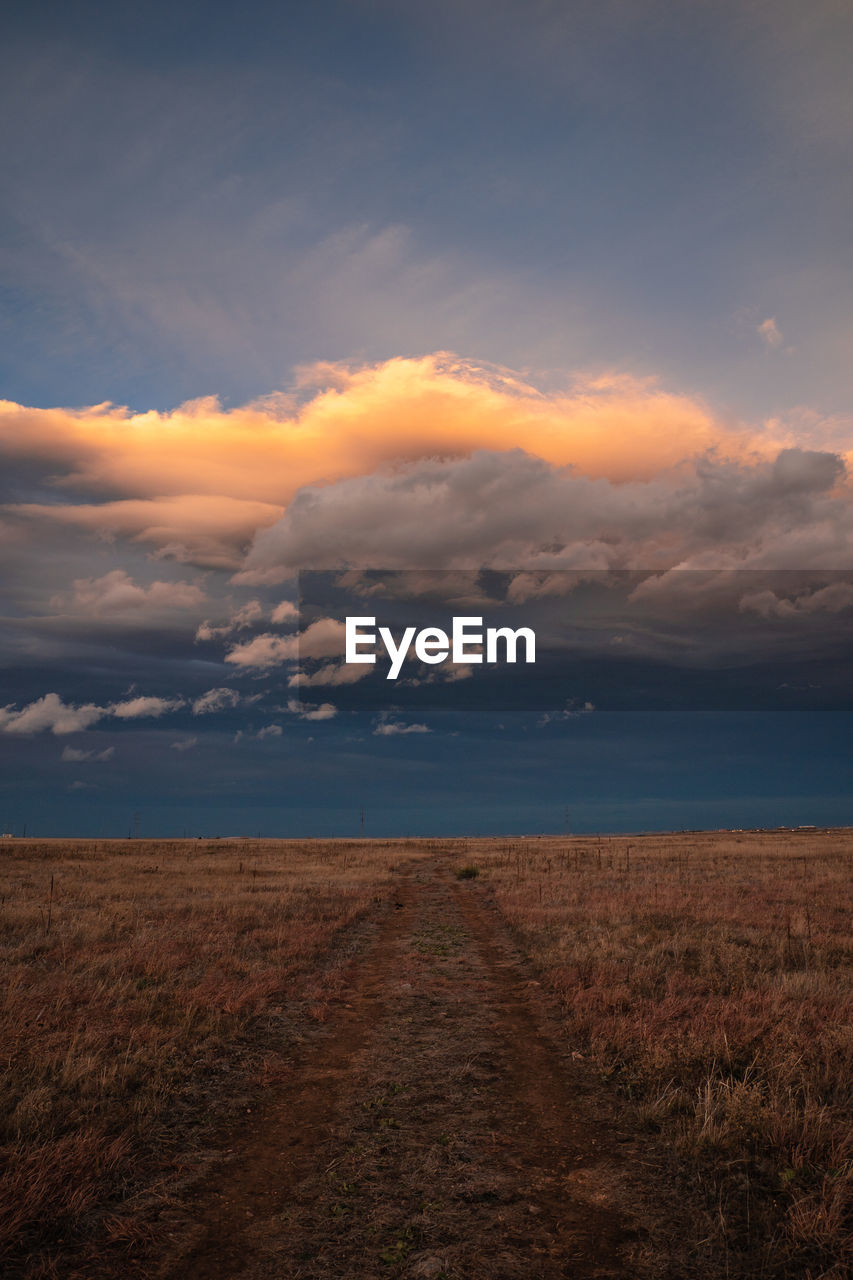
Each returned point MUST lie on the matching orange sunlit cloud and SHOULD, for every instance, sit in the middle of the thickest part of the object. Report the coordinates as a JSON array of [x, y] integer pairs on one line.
[[201, 484], [356, 420]]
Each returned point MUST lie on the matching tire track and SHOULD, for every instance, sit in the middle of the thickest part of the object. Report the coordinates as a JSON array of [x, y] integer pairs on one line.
[[437, 1131], [280, 1150]]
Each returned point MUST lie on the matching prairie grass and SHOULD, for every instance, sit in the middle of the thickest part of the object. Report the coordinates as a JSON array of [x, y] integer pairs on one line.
[[709, 977], [151, 989]]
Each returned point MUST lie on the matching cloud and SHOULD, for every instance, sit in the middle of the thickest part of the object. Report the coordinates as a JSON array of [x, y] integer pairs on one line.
[[207, 631], [455, 671], [332, 673], [196, 484], [49, 713], [137, 708], [447, 673], [75, 756], [324, 638], [247, 616], [284, 612], [408, 463], [571, 711], [352, 420], [457, 588], [263, 652], [833, 598], [309, 711], [215, 700], [268, 731], [116, 593], [240, 619], [388, 727], [184, 744], [513, 510], [770, 333], [208, 530]]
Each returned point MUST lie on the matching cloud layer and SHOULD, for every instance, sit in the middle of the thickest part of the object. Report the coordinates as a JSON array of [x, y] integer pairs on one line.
[[513, 510], [197, 484], [341, 421], [432, 461], [413, 463]]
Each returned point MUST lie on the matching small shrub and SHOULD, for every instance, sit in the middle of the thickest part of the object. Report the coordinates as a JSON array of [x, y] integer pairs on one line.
[[467, 873]]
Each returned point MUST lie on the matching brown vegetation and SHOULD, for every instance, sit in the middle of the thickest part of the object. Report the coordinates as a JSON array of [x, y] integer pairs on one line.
[[148, 990], [709, 975], [158, 992]]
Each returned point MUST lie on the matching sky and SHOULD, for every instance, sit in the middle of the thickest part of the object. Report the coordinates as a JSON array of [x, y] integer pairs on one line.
[[507, 289]]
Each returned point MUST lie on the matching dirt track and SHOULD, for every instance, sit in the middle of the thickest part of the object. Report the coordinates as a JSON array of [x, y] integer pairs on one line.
[[438, 1128]]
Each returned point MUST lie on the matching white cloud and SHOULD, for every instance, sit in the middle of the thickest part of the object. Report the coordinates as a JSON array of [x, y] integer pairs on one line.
[[247, 615], [215, 700], [387, 728], [284, 612], [115, 593], [270, 731], [207, 631], [137, 708], [309, 711], [50, 713], [263, 651], [240, 619], [324, 638], [184, 744]]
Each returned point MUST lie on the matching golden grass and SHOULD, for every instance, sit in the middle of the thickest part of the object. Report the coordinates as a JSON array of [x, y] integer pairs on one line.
[[148, 989], [709, 976]]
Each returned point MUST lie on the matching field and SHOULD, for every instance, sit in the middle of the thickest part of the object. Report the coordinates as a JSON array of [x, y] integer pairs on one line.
[[615, 1057], [709, 976]]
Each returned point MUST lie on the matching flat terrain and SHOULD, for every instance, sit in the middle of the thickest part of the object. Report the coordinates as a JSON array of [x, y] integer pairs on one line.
[[316, 1059], [435, 1131]]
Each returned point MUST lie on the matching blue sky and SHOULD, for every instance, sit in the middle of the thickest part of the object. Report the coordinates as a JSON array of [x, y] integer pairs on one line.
[[199, 198], [519, 285]]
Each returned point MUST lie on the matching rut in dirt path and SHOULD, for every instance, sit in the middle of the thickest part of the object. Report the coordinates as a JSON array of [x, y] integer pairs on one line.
[[438, 1130]]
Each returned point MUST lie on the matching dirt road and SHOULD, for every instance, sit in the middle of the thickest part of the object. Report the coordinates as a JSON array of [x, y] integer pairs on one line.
[[438, 1128]]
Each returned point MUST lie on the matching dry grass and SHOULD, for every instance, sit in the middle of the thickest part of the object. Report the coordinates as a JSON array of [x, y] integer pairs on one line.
[[709, 976], [149, 990], [155, 990]]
